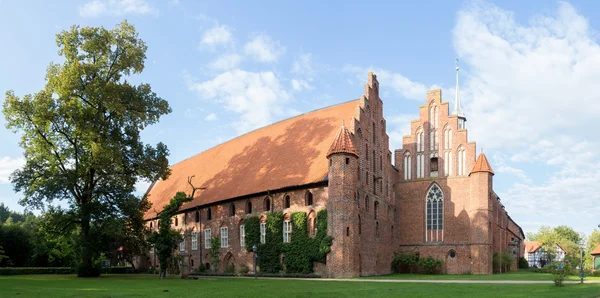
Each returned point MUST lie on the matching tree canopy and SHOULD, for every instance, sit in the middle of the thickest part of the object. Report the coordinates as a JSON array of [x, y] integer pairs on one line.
[[81, 133]]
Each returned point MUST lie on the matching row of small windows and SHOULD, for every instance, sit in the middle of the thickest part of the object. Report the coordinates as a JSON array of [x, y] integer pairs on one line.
[[433, 166], [224, 235], [308, 201], [433, 139], [376, 208]]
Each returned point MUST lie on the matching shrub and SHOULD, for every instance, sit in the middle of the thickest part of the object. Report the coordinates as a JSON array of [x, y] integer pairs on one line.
[[404, 262], [230, 268], [523, 264], [559, 271], [430, 264], [35, 270], [506, 261], [244, 269]]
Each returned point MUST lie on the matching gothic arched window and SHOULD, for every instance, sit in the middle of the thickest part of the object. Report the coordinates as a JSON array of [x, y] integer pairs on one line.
[[435, 213], [461, 161], [308, 198], [420, 140], [407, 166], [287, 201]]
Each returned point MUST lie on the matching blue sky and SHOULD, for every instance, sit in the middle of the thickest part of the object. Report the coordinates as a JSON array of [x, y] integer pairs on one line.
[[528, 76]]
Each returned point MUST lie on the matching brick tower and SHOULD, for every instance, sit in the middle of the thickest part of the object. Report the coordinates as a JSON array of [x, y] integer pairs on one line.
[[341, 206], [481, 216]]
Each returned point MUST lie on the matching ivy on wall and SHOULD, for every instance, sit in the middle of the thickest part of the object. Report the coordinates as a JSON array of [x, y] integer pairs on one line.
[[300, 253], [252, 232]]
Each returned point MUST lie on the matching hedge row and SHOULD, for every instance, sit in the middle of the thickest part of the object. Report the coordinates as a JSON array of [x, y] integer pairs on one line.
[[283, 275], [58, 270], [35, 270]]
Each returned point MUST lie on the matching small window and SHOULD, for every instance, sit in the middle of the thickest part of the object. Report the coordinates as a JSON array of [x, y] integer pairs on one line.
[[224, 237], [376, 229], [287, 231], [434, 164], [242, 236], [347, 160], [197, 216], [194, 240], [248, 207], [263, 232], [309, 198], [359, 225], [330, 162], [348, 231], [209, 214], [176, 220], [267, 204], [376, 209], [287, 201], [452, 254], [231, 209], [367, 203], [207, 237], [151, 225], [182, 245]]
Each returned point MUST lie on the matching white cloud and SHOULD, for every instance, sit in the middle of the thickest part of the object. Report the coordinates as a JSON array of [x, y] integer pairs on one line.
[[96, 8], [225, 62], [217, 35], [303, 65], [257, 96], [300, 84], [398, 127], [9, 165], [210, 117], [264, 49]]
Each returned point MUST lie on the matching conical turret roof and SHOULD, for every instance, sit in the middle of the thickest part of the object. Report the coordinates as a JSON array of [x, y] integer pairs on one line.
[[482, 165], [342, 143]]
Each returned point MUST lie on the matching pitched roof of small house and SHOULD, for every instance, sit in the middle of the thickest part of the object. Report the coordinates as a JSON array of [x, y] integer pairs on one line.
[[287, 153], [532, 246], [596, 250], [482, 165], [342, 143]]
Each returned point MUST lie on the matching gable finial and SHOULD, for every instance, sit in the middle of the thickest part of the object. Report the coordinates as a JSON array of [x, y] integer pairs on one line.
[[457, 109]]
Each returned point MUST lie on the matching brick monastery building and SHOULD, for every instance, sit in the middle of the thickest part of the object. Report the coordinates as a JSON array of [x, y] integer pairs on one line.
[[436, 199]]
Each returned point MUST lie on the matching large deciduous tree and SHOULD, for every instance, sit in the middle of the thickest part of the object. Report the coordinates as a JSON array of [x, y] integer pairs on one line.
[[81, 132]]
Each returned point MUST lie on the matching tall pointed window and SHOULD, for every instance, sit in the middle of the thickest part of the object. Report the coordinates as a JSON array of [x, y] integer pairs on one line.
[[435, 214], [420, 140], [461, 156], [447, 138], [433, 140], [407, 166], [420, 165], [448, 163]]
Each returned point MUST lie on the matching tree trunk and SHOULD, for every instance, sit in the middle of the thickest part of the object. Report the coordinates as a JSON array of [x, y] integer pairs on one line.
[[86, 267]]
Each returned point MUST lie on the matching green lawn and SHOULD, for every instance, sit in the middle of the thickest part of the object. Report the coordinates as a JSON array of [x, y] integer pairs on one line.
[[42, 286], [513, 275]]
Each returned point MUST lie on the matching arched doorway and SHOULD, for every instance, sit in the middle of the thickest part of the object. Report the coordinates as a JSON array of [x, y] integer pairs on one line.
[[451, 262], [228, 263]]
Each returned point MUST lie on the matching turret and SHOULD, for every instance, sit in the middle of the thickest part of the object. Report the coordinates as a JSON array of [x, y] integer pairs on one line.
[[342, 207], [481, 216]]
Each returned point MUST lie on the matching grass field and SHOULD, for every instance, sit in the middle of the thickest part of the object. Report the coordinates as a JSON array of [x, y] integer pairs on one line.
[[140, 285], [513, 275]]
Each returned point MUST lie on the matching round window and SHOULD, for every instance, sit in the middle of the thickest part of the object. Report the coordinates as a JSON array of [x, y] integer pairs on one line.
[[452, 254]]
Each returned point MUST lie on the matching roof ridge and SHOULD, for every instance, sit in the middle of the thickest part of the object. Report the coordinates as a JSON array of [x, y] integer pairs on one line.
[[258, 128]]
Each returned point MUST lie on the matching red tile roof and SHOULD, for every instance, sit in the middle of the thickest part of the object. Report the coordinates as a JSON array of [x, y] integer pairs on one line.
[[342, 143], [482, 165], [288, 153], [596, 250], [532, 246]]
